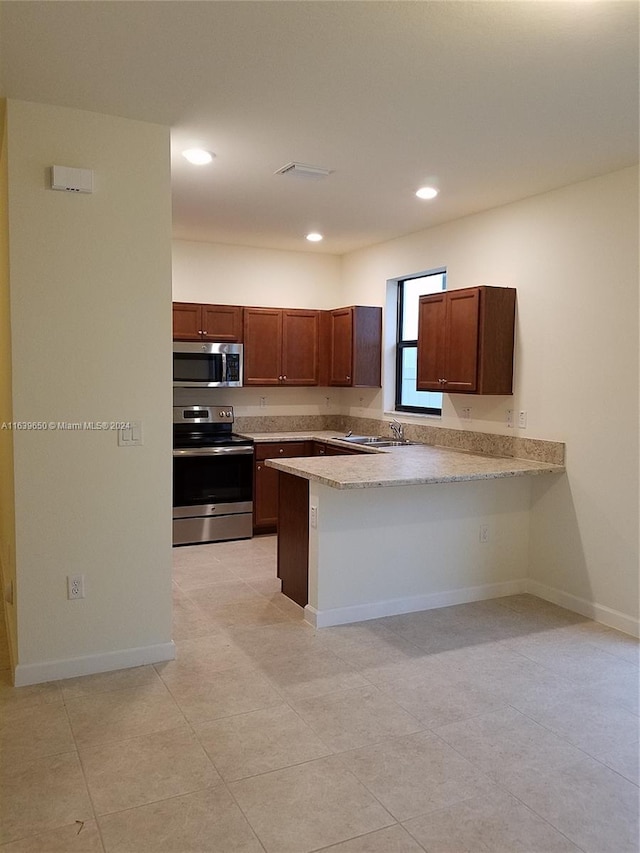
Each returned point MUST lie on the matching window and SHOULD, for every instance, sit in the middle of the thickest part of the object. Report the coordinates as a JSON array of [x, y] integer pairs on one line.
[[410, 290]]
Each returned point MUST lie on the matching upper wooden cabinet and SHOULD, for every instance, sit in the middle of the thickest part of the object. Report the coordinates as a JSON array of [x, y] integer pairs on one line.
[[193, 321], [280, 346], [465, 341], [352, 350]]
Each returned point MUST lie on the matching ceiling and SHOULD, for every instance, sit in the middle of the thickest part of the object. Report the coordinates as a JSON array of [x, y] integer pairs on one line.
[[488, 101]]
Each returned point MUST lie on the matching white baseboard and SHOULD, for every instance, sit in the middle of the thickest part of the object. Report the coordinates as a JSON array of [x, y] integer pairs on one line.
[[54, 670], [598, 612], [397, 606]]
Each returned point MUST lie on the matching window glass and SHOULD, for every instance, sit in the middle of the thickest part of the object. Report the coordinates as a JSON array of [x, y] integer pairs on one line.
[[413, 289], [409, 292]]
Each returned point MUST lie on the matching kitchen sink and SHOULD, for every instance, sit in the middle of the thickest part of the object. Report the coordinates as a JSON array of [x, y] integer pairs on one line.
[[374, 440]]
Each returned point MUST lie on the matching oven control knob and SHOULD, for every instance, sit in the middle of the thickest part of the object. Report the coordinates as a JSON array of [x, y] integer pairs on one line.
[[228, 414], [221, 414]]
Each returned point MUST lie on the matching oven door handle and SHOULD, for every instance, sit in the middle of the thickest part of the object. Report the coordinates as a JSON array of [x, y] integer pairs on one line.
[[215, 451]]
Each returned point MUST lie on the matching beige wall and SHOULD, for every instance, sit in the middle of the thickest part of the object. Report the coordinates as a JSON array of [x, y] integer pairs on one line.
[[238, 275], [90, 312], [7, 500], [572, 254]]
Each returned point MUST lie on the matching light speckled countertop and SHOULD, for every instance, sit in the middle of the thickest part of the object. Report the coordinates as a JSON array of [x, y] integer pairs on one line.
[[398, 466]]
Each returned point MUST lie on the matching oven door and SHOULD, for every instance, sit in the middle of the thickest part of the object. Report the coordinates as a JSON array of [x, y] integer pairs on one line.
[[212, 475]]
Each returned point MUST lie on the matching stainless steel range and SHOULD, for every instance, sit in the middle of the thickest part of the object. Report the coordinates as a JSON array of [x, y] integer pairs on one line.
[[212, 476]]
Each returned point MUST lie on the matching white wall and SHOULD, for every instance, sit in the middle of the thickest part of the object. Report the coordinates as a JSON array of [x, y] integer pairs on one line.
[[377, 552], [572, 255], [91, 329]]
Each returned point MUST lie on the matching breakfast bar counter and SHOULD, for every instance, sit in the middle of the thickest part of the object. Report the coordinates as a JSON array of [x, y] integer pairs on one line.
[[400, 529], [410, 465]]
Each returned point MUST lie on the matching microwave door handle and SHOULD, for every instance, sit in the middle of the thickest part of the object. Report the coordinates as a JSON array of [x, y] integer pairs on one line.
[[223, 375]]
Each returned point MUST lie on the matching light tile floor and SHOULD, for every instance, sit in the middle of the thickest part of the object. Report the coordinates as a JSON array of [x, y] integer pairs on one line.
[[505, 726]]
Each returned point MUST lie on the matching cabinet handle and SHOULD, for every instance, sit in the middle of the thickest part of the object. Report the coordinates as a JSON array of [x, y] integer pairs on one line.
[[200, 332], [284, 378], [282, 450], [347, 377], [259, 467]]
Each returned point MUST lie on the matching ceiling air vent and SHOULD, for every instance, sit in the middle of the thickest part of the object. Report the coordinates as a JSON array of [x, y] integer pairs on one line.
[[300, 170]]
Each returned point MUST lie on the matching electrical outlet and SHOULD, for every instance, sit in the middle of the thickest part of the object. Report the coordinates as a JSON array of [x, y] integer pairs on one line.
[[484, 533], [75, 587], [522, 419], [263, 402], [466, 413], [314, 515], [510, 418], [327, 401]]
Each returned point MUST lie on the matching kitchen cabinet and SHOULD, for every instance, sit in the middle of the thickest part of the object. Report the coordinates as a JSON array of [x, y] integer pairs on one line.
[[293, 537], [265, 481], [352, 347], [281, 346], [322, 448], [193, 321], [465, 341]]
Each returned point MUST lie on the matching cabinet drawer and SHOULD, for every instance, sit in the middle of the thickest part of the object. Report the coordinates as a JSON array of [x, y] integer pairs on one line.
[[275, 450]]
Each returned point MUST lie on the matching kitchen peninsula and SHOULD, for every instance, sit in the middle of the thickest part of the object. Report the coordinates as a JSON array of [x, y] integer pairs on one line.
[[402, 529]]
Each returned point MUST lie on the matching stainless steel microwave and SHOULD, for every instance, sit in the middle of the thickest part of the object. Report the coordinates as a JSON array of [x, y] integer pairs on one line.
[[207, 365]]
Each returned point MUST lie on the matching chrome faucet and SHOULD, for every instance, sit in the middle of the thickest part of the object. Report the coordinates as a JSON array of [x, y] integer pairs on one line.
[[397, 429]]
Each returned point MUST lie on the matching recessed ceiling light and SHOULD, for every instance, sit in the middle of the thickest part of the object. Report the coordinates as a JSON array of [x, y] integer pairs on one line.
[[427, 192], [314, 237], [198, 156]]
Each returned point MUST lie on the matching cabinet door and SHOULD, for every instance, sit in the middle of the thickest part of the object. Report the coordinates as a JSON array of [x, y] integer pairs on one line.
[[461, 340], [431, 341], [222, 323], [366, 347], [265, 503], [299, 347], [187, 321], [265, 492], [293, 538], [341, 347], [332, 450], [262, 346]]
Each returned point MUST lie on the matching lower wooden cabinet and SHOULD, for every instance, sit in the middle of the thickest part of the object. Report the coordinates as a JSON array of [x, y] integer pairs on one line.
[[293, 537], [322, 448], [266, 504], [265, 480]]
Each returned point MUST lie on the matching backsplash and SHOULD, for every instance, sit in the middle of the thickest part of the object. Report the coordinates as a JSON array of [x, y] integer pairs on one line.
[[288, 423], [492, 444], [538, 450]]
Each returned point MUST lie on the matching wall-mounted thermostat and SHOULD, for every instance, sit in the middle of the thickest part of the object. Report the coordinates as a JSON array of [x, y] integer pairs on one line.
[[71, 180]]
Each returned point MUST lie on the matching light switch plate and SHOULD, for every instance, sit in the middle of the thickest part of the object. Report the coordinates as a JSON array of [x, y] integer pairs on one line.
[[131, 436]]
